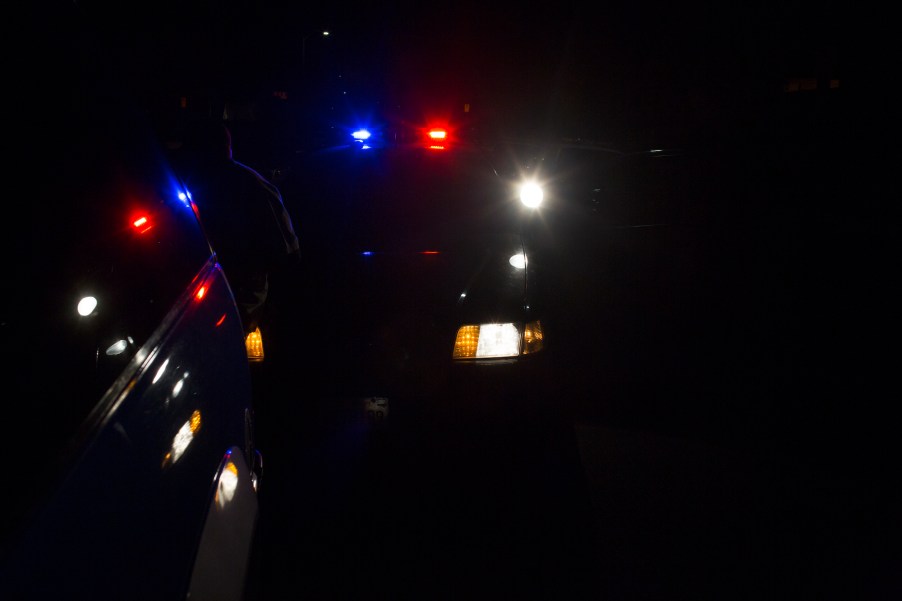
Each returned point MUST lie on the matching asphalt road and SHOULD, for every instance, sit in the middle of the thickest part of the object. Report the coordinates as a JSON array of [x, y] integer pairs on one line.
[[356, 509]]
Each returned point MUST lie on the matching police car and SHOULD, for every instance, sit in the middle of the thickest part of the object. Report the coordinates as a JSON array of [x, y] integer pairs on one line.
[[423, 286], [133, 469]]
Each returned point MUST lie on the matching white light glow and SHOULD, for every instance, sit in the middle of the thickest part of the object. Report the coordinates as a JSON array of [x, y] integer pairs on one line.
[[518, 261], [117, 348], [531, 194], [177, 388], [161, 371], [87, 305], [228, 484], [181, 441], [498, 340]]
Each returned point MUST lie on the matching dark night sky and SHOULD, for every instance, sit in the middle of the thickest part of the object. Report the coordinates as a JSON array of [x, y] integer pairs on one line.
[[593, 69]]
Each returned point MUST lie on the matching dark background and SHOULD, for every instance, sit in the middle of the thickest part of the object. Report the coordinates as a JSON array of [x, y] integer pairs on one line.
[[635, 75]]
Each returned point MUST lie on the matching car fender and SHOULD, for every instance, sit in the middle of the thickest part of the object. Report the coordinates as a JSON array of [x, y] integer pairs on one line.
[[219, 573]]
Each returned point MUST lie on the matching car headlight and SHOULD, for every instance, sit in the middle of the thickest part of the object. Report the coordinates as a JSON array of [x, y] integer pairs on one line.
[[498, 340]]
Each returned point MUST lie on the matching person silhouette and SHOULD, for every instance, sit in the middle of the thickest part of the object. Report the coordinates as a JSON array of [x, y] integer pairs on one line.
[[243, 214]]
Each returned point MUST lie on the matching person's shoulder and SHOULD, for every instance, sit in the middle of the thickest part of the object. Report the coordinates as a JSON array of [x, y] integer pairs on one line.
[[250, 170], [260, 179]]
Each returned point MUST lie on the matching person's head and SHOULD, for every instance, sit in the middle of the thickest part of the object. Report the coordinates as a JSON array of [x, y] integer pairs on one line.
[[207, 138]]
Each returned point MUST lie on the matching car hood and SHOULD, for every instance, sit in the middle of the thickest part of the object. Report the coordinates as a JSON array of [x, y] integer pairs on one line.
[[381, 314]]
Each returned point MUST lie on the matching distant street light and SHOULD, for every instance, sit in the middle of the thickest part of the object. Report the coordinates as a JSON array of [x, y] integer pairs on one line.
[[324, 34]]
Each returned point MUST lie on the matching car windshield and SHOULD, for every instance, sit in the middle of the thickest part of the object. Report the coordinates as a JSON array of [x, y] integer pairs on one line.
[[402, 199]]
